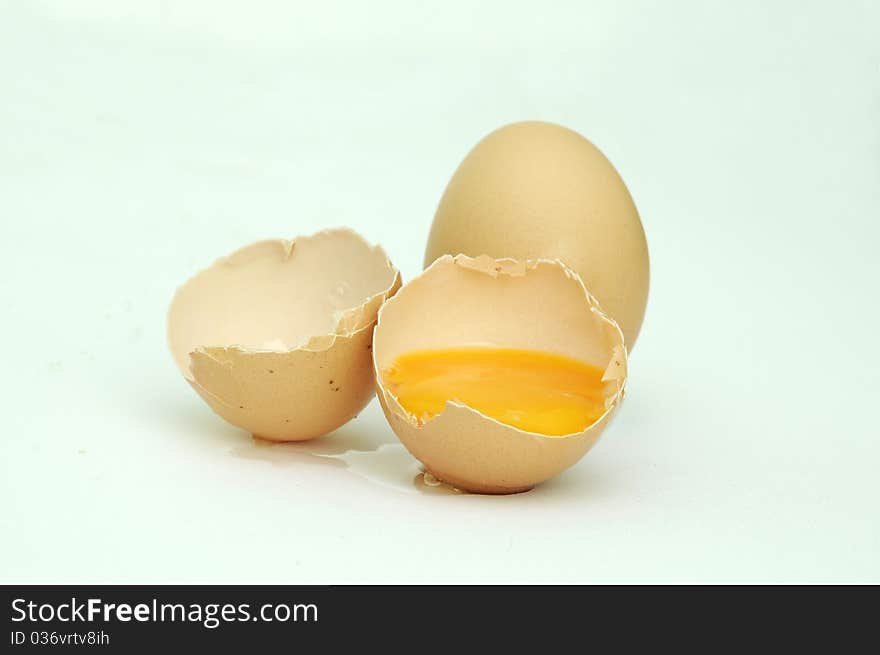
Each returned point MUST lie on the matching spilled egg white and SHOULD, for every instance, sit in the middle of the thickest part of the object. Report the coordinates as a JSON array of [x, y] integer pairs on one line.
[[531, 304], [277, 336]]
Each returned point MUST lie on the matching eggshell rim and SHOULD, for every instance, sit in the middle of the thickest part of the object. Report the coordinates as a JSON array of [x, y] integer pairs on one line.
[[195, 383]]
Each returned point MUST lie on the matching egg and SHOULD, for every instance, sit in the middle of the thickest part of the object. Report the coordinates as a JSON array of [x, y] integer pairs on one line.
[[536, 190], [535, 306], [277, 336]]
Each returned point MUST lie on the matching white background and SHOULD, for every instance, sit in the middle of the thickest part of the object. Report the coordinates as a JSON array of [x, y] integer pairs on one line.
[[141, 140]]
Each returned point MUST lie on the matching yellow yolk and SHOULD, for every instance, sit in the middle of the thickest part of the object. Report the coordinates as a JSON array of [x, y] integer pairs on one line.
[[527, 389]]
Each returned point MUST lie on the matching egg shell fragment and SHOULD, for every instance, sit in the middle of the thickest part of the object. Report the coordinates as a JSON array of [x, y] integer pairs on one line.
[[534, 304], [535, 190], [277, 337]]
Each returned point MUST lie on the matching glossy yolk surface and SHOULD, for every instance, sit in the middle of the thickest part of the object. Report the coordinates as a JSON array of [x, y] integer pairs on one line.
[[527, 389]]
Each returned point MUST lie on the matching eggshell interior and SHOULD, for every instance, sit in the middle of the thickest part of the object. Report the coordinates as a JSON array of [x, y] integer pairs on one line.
[[277, 336], [539, 305], [278, 295], [468, 301]]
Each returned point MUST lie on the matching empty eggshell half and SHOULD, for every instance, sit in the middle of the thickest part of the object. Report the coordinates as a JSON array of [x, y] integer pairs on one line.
[[277, 336], [536, 305]]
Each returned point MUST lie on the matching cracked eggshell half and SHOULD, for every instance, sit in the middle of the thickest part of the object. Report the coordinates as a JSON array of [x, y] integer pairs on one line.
[[277, 336], [534, 304]]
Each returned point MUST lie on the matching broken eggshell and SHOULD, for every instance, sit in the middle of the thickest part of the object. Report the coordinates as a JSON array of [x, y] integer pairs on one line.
[[535, 304], [277, 336]]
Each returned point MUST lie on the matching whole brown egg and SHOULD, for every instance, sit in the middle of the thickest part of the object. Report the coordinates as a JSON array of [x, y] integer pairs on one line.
[[538, 190]]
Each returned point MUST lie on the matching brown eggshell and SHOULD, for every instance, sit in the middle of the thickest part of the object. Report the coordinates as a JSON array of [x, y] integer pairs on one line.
[[277, 336], [538, 190], [535, 304]]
